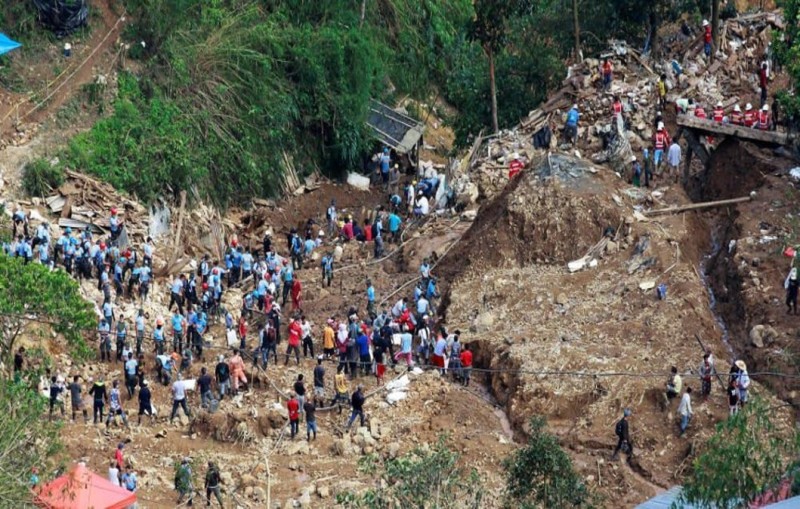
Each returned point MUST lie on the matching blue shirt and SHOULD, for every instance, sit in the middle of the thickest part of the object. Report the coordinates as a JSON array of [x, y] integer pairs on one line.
[[177, 286], [371, 293], [247, 262], [177, 323], [158, 334], [363, 344], [144, 275], [385, 160], [394, 222], [107, 309], [309, 246], [438, 349], [572, 117], [422, 306], [405, 342], [140, 323], [43, 252]]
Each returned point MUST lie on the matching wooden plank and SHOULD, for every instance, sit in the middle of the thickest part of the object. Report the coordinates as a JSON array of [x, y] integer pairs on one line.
[[696, 206], [741, 132]]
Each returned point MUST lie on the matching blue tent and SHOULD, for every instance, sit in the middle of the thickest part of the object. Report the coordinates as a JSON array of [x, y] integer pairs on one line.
[[7, 44]]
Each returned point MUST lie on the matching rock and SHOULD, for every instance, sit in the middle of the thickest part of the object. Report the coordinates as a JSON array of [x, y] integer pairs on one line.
[[484, 322], [469, 215], [323, 491], [184, 420], [762, 334], [375, 428], [300, 447], [394, 450], [612, 247], [293, 465], [338, 448], [561, 299], [227, 478], [248, 480], [248, 491], [162, 434], [259, 494], [305, 499]]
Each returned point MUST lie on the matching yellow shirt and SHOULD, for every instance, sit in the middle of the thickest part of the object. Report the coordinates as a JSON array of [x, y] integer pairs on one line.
[[327, 337], [341, 383]]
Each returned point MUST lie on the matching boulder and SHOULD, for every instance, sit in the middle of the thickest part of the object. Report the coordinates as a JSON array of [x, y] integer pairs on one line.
[[762, 335], [323, 491]]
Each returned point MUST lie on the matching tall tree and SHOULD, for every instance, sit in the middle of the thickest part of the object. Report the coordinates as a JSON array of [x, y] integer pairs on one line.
[[31, 293], [577, 29]]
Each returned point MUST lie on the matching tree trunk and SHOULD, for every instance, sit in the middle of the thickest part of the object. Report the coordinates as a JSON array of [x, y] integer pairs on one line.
[[714, 28], [654, 42], [363, 12], [577, 28], [492, 89]]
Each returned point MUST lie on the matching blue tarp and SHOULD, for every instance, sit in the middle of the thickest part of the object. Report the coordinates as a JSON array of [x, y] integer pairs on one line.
[[7, 44]]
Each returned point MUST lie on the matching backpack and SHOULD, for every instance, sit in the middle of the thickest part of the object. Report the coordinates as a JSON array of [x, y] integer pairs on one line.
[[618, 429]]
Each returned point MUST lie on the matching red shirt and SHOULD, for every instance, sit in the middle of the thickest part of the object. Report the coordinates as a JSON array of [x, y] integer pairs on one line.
[[617, 108], [719, 114], [242, 329], [514, 168], [736, 118], [466, 359], [607, 68], [661, 140], [749, 119], [707, 36], [347, 230], [367, 232], [762, 78], [295, 331], [763, 120], [118, 458], [296, 287], [294, 409], [700, 112]]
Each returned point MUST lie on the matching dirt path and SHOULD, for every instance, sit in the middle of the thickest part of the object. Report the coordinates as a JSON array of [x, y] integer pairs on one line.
[[95, 56]]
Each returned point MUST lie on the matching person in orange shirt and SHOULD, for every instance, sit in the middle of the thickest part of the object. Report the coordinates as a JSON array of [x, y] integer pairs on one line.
[[296, 289], [607, 70], [236, 365], [328, 334]]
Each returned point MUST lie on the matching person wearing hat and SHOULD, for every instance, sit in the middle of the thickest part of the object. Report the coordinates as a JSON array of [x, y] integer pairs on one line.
[[571, 125], [114, 224], [791, 285], [699, 111], [736, 115], [706, 38], [622, 430], [742, 382], [749, 115], [763, 118], [636, 171], [183, 482], [718, 113], [515, 167], [212, 482]]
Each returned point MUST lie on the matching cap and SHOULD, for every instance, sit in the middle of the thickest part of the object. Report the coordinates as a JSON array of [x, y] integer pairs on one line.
[[320, 357], [516, 155], [321, 233], [220, 358], [574, 106], [145, 383]]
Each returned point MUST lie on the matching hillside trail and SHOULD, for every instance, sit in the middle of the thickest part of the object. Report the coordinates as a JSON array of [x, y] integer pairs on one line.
[[21, 115]]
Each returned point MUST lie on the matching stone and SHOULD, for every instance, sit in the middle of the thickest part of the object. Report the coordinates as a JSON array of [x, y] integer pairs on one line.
[[394, 450], [323, 491], [484, 322], [300, 447], [305, 499], [612, 247], [761, 335], [248, 480], [561, 299], [162, 434], [293, 465], [375, 428], [259, 494]]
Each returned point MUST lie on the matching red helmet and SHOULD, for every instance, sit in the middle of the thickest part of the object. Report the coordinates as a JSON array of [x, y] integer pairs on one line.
[[234, 242], [113, 211], [102, 245], [205, 286]]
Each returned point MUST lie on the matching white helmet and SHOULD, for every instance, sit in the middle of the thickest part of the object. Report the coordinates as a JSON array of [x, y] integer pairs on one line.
[[633, 159], [574, 106], [660, 126], [321, 233], [719, 104], [737, 109], [748, 107], [705, 22], [765, 107]]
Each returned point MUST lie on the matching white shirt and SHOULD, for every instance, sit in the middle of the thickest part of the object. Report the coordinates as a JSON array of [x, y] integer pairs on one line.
[[113, 475], [178, 391], [424, 208], [685, 408], [674, 155]]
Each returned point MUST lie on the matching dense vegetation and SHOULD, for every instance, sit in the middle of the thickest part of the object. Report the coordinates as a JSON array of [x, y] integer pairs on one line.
[[232, 91]]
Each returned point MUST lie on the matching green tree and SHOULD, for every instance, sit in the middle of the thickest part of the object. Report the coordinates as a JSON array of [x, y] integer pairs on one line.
[[541, 474], [26, 441], [425, 477], [746, 456], [33, 294]]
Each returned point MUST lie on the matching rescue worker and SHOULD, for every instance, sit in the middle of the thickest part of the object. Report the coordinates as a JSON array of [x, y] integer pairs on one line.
[[616, 108], [699, 111], [749, 116], [661, 141], [719, 113], [707, 38], [736, 116], [607, 70], [662, 91], [236, 365], [571, 126], [763, 118]]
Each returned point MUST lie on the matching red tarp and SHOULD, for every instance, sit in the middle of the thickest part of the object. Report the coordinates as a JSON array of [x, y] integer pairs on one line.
[[81, 488]]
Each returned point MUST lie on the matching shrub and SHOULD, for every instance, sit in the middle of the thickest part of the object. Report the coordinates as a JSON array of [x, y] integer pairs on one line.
[[40, 177]]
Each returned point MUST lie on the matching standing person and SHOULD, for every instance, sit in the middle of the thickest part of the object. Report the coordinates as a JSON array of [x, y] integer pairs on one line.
[[213, 480], [113, 473], [104, 329], [19, 362], [571, 126], [685, 410], [131, 369], [719, 113], [763, 122], [145, 404], [406, 350], [736, 115], [622, 431], [743, 382], [129, 480], [310, 409], [119, 456], [749, 115], [300, 391], [179, 399], [329, 339], [319, 379], [297, 289], [204, 387], [707, 38], [122, 336], [616, 108], [762, 82], [340, 386], [293, 343], [327, 269], [176, 293], [661, 86], [222, 374], [439, 352], [332, 217], [115, 406], [364, 357], [177, 331], [791, 284], [183, 483], [607, 70], [56, 396], [308, 341], [636, 172], [75, 390], [674, 160], [98, 391], [385, 161], [236, 366], [706, 370], [370, 298], [466, 365], [293, 406], [357, 404], [661, 140], [139, 332], [733, 397]]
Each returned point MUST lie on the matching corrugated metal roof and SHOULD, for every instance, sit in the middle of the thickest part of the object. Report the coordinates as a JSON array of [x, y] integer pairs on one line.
[[665, 500], [789, 503], [393, 128]]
